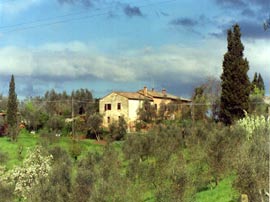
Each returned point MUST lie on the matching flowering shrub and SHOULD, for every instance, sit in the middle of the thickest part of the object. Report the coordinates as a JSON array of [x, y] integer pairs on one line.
[[251, 123], [34, 168]]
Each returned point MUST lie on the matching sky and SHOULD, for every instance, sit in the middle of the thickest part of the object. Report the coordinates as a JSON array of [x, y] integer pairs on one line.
[[124, 45]]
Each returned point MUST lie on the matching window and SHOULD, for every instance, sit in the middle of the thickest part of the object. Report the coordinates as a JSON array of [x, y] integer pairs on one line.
[[107, 107], [155, 106], [118, 106], [108, 120]]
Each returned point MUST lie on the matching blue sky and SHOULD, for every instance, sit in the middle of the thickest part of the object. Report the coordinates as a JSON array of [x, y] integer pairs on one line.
[[106, 45]]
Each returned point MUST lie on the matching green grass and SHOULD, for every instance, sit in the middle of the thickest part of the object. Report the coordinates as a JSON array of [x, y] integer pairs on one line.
[[27, 141], [24, 141], [222, 193]]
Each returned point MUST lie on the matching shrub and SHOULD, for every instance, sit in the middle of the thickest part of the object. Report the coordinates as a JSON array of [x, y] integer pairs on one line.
[[253, 158], [35, 168], [3, 157], [118, 129], [75, 149], [253, 123]]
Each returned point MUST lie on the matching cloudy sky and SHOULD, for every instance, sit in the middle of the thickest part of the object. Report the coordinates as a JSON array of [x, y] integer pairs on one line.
[[106, 45]]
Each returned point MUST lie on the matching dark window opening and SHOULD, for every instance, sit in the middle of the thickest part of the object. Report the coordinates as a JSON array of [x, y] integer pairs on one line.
[[108, 119], [107, 107], [118, 106], [81, 110]]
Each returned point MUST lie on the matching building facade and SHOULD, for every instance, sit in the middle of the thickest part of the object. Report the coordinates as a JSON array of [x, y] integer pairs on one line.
[[127, 104]]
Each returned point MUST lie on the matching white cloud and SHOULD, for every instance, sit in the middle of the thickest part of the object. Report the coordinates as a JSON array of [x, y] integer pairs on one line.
[[172, 63], [258, 55], [15, 7]]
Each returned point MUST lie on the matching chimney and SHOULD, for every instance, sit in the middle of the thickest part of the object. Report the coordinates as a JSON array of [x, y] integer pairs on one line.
[[145, 91], [164, 92]]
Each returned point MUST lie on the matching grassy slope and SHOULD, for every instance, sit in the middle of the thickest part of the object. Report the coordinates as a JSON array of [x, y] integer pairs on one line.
[[27, 141], [222, 193], [12, 148]]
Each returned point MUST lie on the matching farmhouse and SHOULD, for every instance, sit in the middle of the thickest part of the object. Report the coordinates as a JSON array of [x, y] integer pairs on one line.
[[127, 104]]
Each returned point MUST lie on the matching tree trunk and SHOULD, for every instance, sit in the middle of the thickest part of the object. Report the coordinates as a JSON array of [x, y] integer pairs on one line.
[[97, 136]]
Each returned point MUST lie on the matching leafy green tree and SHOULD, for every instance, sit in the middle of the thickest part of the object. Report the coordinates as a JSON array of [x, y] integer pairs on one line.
[[3, 103], [257, 105], [118, 129], [147, 112], [155, 162], [94, 123], [162, 111], [200, 108], [258, 83], [235, 82], [122, 128], [34, 115], [55, 123], [12, 109], [110, 182], [217, 150], [57, 186], [86, 176], [75, 149], [166, 111], [83, 101]]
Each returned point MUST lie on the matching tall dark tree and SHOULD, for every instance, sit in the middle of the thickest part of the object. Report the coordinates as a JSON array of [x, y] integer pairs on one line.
[[235, 82], [12, 109], [261, 83], [258, 83], [254, 82]]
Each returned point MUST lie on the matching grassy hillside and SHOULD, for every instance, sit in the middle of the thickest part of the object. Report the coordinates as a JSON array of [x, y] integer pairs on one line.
[[16, 151], [222, 193]]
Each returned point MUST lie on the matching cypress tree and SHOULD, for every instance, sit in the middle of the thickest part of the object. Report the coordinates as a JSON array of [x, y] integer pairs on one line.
[[261, 84], [258, 83], [12, 110], [254, 81], [235, 82]]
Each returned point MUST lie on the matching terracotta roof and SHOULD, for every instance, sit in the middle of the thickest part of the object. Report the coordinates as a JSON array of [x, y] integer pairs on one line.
[[133, 96], [156, 94], [150, 95]]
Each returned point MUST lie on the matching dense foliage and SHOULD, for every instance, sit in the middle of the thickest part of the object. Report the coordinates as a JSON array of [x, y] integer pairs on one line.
[[258, 83], [174, 161]]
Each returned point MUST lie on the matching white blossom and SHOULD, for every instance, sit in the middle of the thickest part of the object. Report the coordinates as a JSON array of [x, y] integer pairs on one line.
[[34, 168], [251, 123]]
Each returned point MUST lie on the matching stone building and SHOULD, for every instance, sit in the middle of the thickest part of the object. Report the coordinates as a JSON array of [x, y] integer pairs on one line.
[[127, 104]]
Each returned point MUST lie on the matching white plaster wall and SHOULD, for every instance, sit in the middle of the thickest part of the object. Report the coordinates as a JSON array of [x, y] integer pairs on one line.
[[114, 113], [133, 107]]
